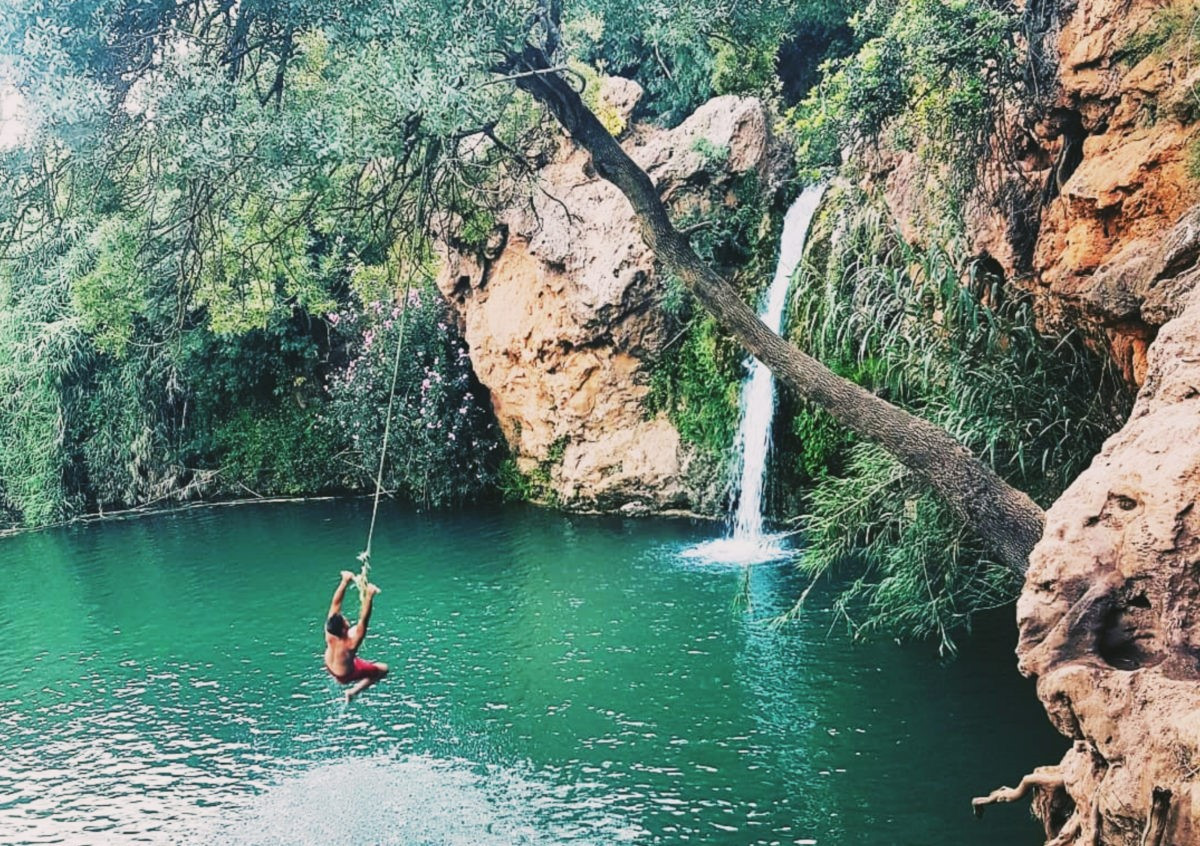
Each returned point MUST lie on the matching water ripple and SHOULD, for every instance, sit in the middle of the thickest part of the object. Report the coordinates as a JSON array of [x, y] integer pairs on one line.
[[554, 680]]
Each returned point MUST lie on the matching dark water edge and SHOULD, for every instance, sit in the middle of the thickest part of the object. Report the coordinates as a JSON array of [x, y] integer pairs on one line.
[[558, 679]]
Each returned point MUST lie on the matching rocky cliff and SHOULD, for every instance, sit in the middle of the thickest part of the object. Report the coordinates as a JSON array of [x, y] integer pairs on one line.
[[1108, 617], [1088, 202], [1095, 163], [560, 310], [1117, 141], [1096, 218]]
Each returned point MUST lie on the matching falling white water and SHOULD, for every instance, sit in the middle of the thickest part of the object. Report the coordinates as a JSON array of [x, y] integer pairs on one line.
[[748, 544]]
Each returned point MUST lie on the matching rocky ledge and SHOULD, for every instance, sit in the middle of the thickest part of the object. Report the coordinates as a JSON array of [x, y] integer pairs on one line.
[[560, 311], [1110, 614]]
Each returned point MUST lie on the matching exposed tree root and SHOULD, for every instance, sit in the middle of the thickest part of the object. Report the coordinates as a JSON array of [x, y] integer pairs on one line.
[[1048, 784], [1048, 778], [1156, 823]]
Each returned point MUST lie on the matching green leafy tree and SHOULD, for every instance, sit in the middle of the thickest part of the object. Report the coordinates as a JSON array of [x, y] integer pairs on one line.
[[189, 112], [925, 75]]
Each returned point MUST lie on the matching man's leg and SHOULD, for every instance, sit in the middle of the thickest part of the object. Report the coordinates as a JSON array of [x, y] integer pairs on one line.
[[378, 672], [359, 687]]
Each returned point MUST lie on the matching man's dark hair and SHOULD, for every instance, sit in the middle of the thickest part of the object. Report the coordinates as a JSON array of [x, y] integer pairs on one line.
[[336, 625]]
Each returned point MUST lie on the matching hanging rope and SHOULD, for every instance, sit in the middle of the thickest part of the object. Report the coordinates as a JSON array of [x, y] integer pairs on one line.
[[363, 578]]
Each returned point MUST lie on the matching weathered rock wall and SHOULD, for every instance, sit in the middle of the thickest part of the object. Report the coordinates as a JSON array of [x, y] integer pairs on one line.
[[1110, 614], [1117, 136], [562, 319], [1109, 609], [1089, 170], [1090, 204]]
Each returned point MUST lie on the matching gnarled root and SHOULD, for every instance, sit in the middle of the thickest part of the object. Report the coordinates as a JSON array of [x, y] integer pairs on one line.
[[1156, 823], [1043, 778]]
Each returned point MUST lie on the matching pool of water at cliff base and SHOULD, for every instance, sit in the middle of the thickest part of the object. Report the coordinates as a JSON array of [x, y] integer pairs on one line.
[[555, 680]]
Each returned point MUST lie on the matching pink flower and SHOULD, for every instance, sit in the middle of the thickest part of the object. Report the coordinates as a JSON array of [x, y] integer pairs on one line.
[[333, 317], [451, 436]]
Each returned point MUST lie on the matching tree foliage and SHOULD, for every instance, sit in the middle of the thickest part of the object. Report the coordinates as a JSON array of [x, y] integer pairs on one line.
[[202, 184], [925, 75], [211, 173]]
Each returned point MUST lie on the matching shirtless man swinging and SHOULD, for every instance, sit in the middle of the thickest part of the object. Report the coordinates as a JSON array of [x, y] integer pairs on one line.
[[342, 641]]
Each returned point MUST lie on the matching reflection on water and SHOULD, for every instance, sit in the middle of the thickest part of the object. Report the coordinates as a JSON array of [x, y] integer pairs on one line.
[[555, 680], [740, 550]]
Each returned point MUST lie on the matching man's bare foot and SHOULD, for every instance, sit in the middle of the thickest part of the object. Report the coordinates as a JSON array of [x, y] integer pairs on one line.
[[358, 688], [373, 589]]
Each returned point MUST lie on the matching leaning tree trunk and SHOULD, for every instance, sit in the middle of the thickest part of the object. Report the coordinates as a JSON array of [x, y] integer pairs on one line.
[[1004, 517]]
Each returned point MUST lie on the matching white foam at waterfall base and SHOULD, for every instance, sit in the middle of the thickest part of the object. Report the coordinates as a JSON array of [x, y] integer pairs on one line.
[[748, 543]]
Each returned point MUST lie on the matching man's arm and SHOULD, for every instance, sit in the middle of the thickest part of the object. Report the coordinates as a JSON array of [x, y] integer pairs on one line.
[[359, 630], [335, 606]]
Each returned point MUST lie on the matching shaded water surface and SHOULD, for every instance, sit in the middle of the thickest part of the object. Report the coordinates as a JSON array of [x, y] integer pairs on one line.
[[555, 680]]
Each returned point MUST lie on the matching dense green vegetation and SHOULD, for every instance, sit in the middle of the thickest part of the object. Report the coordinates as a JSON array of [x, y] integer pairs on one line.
[[697, 377], [204, 193], [947, 338], [916, 75], [927, 76], [219, 229]]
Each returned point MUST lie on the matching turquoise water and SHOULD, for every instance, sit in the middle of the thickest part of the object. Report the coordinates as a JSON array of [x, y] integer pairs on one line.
[[555, 680]]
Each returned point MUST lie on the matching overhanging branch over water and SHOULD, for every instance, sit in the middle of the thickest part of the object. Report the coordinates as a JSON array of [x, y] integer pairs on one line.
[[1007, 519]]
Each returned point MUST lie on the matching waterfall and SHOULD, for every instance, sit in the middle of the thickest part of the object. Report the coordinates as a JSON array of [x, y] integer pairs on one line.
[[753, 442], [752, 446]]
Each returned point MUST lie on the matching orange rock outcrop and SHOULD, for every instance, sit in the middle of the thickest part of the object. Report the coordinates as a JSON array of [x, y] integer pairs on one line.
[[562, 319], [1105, 166]]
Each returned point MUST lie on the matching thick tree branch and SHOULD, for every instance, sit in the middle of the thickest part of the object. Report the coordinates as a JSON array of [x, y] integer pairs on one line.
[[1004, 517]]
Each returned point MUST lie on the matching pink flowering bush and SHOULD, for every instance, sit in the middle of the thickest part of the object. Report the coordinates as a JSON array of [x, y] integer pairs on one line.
[[444, 447]]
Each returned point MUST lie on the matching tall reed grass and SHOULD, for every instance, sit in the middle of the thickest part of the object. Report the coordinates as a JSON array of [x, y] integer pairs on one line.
[[948, 338]]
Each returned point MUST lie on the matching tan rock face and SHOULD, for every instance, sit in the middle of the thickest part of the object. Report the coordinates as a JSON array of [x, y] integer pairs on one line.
[[562, 320], [1106, 166], [1110, 613]]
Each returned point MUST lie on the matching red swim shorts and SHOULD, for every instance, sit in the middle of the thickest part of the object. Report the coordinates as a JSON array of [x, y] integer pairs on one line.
[[362, 670]]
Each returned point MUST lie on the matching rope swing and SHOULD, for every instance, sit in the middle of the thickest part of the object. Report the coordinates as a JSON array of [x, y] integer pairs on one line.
[[363, 578]]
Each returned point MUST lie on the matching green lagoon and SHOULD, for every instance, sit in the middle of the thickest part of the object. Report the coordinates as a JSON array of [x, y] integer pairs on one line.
[[555, 680]]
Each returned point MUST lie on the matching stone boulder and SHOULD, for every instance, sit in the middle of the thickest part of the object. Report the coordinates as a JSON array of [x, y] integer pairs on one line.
[[1110, 613], [560, 312]]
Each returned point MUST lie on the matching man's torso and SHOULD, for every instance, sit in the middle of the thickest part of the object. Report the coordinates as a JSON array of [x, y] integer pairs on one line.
[[339, 656]]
